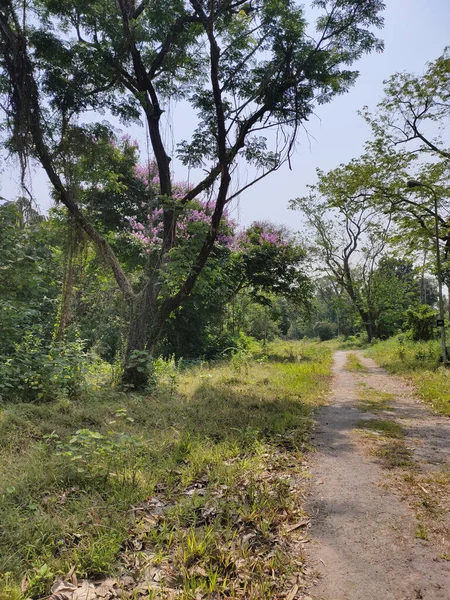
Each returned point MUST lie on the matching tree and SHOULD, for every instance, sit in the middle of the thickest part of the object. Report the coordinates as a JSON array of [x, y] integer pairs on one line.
[[29, 274], [243, 68], [395, 288], [261, 264], [351, 237], [409, 142], [331, 304], [415, 110]]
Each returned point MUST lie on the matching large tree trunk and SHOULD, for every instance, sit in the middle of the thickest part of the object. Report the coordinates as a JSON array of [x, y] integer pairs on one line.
[[65, 312], [367, 322], [369, 331], [142, 311]]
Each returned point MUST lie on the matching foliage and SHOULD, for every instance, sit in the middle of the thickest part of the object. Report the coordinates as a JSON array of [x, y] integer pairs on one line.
[[40, 372], [100, 456], [409, 129], [345, 227], [29, 271], [262, 264], [241, 73], [364, 218], [420, 362], [421, 320], [325, 330], [411, 104], [192, 466]]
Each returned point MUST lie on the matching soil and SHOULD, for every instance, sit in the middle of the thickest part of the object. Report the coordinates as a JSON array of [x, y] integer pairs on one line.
[[363, 532]]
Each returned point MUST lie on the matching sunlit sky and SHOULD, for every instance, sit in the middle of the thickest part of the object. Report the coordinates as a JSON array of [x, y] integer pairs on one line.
[[415, 32]]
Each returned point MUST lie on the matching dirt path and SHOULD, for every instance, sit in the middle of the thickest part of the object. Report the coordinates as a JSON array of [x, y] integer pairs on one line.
[[363, 540]]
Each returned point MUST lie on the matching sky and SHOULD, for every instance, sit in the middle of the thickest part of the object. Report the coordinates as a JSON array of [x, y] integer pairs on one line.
[[415, 32]]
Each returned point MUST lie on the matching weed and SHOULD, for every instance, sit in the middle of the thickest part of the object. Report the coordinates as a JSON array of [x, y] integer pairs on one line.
[[39, 580], [421, 532], [386, 428], [9, 588], [354, 364], [190, 479], [395, 454], [95, 556], [372, 400]]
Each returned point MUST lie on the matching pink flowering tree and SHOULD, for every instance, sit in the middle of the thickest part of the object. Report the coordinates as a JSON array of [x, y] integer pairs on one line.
[[262, 260], [243, 69], [268, 258]]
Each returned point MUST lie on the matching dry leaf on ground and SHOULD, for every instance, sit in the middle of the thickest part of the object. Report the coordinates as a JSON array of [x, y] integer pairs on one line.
[[62, 590], [85, 592]]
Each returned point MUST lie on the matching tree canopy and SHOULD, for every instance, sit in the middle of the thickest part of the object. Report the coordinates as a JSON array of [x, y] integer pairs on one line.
[[243, 69]]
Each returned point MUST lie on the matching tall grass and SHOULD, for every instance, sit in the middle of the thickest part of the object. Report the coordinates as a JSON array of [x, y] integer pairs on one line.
[[79, 479], [419, 361]]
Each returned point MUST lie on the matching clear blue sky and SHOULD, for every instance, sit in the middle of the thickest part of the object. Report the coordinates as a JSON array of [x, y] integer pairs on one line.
[[415, 32]]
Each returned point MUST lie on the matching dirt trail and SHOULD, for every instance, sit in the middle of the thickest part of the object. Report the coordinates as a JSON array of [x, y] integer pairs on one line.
[[363, 535]]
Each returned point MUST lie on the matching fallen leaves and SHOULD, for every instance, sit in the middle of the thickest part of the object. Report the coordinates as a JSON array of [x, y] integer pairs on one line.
[[257, 532], [302, 523], [86, 590], [291, 595]]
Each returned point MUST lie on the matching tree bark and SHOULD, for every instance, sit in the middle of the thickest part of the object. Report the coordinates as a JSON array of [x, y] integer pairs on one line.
[[142, 309], [67, 289]]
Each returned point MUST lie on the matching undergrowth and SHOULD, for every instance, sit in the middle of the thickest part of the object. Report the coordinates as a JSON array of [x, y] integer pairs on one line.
[[195, 483], [354, 364], [372, 400], [419, 361]]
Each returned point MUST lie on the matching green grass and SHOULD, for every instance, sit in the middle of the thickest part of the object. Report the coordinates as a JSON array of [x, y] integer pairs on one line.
[[421, 532], [390, 446], [385, 428], [193, 480], [419, 361], [354, 364], [372, 400], [394, 454]]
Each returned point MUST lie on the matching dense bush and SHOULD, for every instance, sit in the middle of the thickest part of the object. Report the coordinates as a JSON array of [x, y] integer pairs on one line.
[[325, 330], [421, 321], [39, 372]]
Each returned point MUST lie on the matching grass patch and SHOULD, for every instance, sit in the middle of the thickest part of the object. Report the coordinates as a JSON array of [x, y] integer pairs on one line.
[[419, 361], [192, 488], [394, 454], [386, 428], [389, 445], [354, 364], [421, 532], [372, 400]]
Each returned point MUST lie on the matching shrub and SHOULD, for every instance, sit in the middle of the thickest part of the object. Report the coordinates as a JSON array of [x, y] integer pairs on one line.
[[39, 372], [325, 330], [421, 321]]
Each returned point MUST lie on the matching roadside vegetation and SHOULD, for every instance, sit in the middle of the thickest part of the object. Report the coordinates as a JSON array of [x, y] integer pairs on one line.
[[195, 486], [420, 363], [354, 364]]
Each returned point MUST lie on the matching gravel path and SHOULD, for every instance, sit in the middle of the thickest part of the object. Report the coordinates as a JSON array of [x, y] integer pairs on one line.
[[363, 540]]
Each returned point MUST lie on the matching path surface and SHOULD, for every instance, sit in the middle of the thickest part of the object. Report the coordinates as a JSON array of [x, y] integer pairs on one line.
[[363, 535]]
